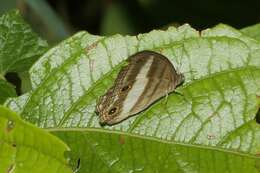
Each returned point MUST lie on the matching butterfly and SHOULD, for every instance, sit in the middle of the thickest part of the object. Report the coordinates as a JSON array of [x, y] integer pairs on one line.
[[147, 77]]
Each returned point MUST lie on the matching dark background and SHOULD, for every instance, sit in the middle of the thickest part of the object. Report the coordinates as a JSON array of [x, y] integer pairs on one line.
[[55, 20]]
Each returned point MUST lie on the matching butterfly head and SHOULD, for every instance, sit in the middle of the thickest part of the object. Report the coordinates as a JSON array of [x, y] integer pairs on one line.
[[110, 106]]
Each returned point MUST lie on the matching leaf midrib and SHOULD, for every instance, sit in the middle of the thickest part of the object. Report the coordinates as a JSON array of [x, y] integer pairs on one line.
[[150, 138]]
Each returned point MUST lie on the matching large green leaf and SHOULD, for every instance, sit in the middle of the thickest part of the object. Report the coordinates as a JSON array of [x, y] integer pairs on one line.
[[19, 48], [24, 147], [213, 130], [110, 151], [210, 128]]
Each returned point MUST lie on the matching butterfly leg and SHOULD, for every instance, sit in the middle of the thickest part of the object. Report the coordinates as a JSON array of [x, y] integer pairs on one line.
[[166, 96], [178, 93]]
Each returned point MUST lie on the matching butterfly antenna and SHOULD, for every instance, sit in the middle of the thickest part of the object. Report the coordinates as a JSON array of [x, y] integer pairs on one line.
[[166, 97]]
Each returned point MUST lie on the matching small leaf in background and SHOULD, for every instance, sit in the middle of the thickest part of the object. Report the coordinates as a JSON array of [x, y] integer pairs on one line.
[[24, 147], [19, 47], [7, 90], [45, 20], [211, 127]]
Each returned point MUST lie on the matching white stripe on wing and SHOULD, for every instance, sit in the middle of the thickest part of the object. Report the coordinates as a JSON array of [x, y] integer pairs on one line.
[[138, 88]]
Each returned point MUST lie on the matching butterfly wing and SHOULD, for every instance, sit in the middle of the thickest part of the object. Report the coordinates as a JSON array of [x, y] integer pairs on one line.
[[146, 78], [162, 79]]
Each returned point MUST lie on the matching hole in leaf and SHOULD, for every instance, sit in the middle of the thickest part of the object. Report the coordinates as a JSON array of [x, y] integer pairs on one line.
[[67, 156], [10, 125], [78, 164], [73, 160], [11, 168], [211, 136], [14, 79], [257, 117], [13, 145]]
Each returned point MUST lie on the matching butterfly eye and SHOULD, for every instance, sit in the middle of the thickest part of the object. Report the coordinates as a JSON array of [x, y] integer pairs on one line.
[[125, 88], [112, 111]]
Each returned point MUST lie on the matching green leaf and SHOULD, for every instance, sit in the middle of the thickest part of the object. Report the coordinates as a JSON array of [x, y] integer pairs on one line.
[[19, 49], [24, 147], [121, 152], [252, 31], [6, 90], [222, 30], [19, 46], [211, 127], [224, 133]]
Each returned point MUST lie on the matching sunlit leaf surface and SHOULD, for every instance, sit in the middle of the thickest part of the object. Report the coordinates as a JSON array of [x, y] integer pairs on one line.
[[211, 128]]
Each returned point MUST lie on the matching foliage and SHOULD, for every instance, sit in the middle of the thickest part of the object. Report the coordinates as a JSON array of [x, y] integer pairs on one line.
[[211, 128], [19, 49]]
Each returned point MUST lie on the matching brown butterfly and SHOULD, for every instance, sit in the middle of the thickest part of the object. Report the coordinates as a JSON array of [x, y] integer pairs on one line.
[[147, 77]]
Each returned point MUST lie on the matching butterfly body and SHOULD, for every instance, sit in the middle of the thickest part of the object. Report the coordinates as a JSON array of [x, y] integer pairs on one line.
[[147, 77]]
